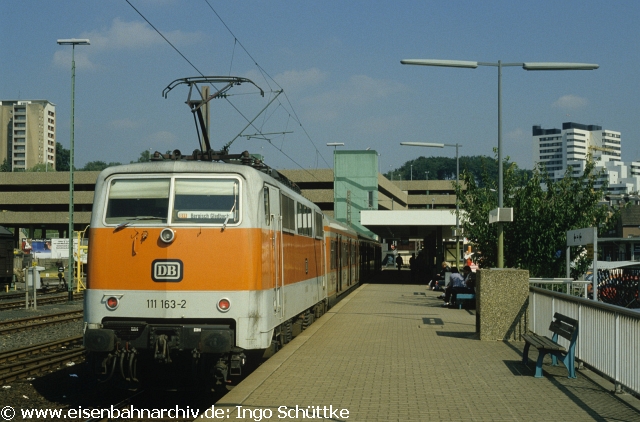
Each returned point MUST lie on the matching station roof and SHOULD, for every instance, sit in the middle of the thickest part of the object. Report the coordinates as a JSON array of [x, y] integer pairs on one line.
[[408, 224]]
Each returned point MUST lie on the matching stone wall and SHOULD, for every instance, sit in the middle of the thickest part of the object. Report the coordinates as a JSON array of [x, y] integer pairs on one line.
[[502, 298]]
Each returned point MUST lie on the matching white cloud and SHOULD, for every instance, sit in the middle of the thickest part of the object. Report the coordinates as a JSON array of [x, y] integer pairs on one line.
[[298, 80], [570, 102], [62, 59], [136, 35], [121, 35]]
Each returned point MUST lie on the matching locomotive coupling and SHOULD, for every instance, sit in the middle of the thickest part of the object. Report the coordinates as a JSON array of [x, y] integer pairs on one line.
[[237, 362]]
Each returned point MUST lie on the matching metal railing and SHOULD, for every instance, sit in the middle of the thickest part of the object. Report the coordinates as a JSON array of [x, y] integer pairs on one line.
[[562, 285], [608, 336]]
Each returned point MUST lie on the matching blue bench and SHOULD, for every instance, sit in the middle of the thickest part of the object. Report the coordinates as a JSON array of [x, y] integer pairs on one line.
[[561, 326], [461, 297]]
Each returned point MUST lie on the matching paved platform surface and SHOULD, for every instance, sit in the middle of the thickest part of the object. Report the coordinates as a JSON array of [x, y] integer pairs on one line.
[[391, 352]]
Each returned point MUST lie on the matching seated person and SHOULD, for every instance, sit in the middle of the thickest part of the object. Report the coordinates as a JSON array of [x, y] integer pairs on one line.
[[455, 281], [469, 278], [469, 285], [438, 282]]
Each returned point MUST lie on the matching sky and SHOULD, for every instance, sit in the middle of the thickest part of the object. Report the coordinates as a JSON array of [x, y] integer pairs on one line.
[[338, 64]]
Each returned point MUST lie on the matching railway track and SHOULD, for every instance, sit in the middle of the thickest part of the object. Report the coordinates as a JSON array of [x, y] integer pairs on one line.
[[33, 360], [24, 324], [41, 300], [11, 296]]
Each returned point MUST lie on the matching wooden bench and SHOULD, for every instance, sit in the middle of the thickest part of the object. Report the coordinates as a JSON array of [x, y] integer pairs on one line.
[[461, 297], [561, 326]]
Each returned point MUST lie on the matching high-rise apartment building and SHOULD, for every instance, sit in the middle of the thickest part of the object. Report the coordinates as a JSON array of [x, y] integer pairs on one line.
[[27, 133], [559, 149]]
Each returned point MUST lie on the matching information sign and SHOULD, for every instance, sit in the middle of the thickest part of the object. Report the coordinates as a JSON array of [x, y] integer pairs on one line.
[[581, 237]]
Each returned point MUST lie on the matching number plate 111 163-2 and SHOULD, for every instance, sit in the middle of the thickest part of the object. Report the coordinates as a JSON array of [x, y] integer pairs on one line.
[[166, 304]]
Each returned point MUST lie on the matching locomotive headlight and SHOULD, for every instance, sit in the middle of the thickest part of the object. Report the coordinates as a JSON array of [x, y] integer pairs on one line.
[[167, 235], [224, 305], [112, 302]]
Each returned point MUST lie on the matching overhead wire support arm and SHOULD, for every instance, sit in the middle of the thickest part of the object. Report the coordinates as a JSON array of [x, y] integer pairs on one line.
[[196, 105], [264, 135], [226, 147]]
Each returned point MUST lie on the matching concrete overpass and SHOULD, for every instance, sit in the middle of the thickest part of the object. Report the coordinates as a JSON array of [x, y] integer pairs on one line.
[[40, 202]]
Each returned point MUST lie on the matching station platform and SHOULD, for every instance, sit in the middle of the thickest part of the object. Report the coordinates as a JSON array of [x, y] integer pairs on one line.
[[390, 352]]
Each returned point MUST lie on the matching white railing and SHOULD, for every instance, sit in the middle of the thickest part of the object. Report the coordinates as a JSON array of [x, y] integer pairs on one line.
[[608, 335], [563, 285]]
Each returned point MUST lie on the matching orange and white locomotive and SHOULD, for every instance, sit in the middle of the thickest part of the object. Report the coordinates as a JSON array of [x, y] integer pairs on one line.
[[194, 263]]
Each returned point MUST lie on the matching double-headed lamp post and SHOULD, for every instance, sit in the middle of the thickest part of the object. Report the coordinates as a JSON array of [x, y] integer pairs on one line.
[[72, 42], [500, 65], [456, 145]]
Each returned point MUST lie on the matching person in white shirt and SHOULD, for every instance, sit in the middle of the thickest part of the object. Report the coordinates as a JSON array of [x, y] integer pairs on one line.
[[455, 281]]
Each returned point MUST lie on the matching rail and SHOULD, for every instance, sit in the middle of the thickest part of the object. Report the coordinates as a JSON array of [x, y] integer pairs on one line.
[[608, 339]]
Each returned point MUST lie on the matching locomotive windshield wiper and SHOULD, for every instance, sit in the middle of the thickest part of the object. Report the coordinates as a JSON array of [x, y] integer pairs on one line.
[[226, 220], [126, 223], [235, 201]]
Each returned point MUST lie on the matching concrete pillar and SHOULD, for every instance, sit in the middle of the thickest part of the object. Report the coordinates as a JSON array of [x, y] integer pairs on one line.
[[502, 298]]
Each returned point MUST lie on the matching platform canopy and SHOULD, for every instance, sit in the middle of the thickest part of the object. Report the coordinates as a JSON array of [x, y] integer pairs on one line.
[[409, 224]]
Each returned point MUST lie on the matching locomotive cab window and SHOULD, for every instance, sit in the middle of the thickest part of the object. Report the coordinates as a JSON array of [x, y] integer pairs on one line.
[[146, 200], [206, 201], [185, 200]]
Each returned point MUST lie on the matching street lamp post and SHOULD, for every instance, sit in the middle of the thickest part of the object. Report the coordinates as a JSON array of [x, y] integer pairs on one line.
[[500, 65], [456, 145], [72, 42]]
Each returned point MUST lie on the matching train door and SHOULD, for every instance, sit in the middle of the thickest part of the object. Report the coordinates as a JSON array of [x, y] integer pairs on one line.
[[352, 263], [318, 233], [274, 222], [339, 252]]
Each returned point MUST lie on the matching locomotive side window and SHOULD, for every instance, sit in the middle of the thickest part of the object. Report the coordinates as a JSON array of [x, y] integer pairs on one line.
[[267, 206], [319, 229], [288, 210], [304, 220], [206, 201], [139, 199]]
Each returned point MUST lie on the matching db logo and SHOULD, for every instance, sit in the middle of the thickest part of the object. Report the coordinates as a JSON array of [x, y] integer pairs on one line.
[[166, 270]]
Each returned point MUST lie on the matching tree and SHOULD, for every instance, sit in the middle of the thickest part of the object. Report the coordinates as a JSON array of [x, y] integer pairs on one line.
[[42, 167], [444, 168], [6, 165], [62, 158], [543, 211], [97, 166], [145, 157]]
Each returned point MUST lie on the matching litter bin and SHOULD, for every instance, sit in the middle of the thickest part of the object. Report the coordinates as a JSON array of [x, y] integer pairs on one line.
[[33, 277]]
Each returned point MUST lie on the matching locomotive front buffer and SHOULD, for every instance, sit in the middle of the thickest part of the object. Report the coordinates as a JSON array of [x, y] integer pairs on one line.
[[120, 344]]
